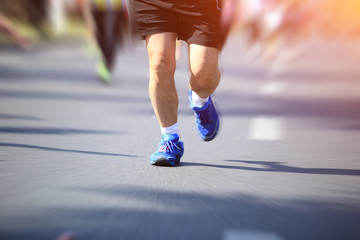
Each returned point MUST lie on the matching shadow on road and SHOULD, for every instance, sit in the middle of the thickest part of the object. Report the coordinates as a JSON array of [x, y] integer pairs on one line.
[[277, 167], [15, 145], [16, 74], [70, 96], [55, 131], [289, 107], [249, 106], [244, 73], [140, 213], [19, 117]]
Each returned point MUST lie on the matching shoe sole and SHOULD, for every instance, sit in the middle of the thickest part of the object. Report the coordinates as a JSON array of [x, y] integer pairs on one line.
[[165, 162]]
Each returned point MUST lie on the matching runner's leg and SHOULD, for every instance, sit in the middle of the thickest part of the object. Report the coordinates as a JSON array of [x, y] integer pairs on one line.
[[204, 79], [205, 75], [163, 95]]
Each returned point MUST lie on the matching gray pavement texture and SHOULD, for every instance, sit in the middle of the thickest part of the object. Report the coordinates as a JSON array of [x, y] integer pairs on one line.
[[74, 153]]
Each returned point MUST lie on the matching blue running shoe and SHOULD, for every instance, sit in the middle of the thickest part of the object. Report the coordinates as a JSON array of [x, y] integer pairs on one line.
[[169, 152], [207, 119]]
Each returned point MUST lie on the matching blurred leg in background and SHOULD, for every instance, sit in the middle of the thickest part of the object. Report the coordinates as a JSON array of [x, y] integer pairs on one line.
[[7, 28], [91, 48], [36, 14], [108, 17]]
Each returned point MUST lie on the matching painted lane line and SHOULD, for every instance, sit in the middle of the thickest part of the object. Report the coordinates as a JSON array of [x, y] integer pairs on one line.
[[249, 235], [266, 128], [272, 88]]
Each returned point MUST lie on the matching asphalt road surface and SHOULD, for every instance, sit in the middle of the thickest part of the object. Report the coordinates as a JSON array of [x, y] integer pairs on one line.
[[74, 153]]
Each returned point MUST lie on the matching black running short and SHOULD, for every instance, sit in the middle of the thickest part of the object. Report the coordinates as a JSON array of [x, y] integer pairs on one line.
[[194, 21]]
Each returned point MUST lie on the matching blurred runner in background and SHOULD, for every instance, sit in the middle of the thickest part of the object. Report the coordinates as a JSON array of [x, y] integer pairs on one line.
[[107, 21], [251, 20], [31, 12], [7, 28]]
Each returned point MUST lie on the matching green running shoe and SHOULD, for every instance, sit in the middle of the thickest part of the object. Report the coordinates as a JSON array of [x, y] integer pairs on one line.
[[104, 73]]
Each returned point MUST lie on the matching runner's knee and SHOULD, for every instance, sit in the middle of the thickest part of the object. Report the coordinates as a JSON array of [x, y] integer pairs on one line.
[[205, 78], [162, 66]]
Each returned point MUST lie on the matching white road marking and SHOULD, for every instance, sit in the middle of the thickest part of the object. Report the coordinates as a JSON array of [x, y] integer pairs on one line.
[[266, 128], [272, 88], [249, 235]]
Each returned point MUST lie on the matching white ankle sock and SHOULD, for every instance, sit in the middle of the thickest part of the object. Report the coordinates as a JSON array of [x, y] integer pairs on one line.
[[198, 101], [173, 129]]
